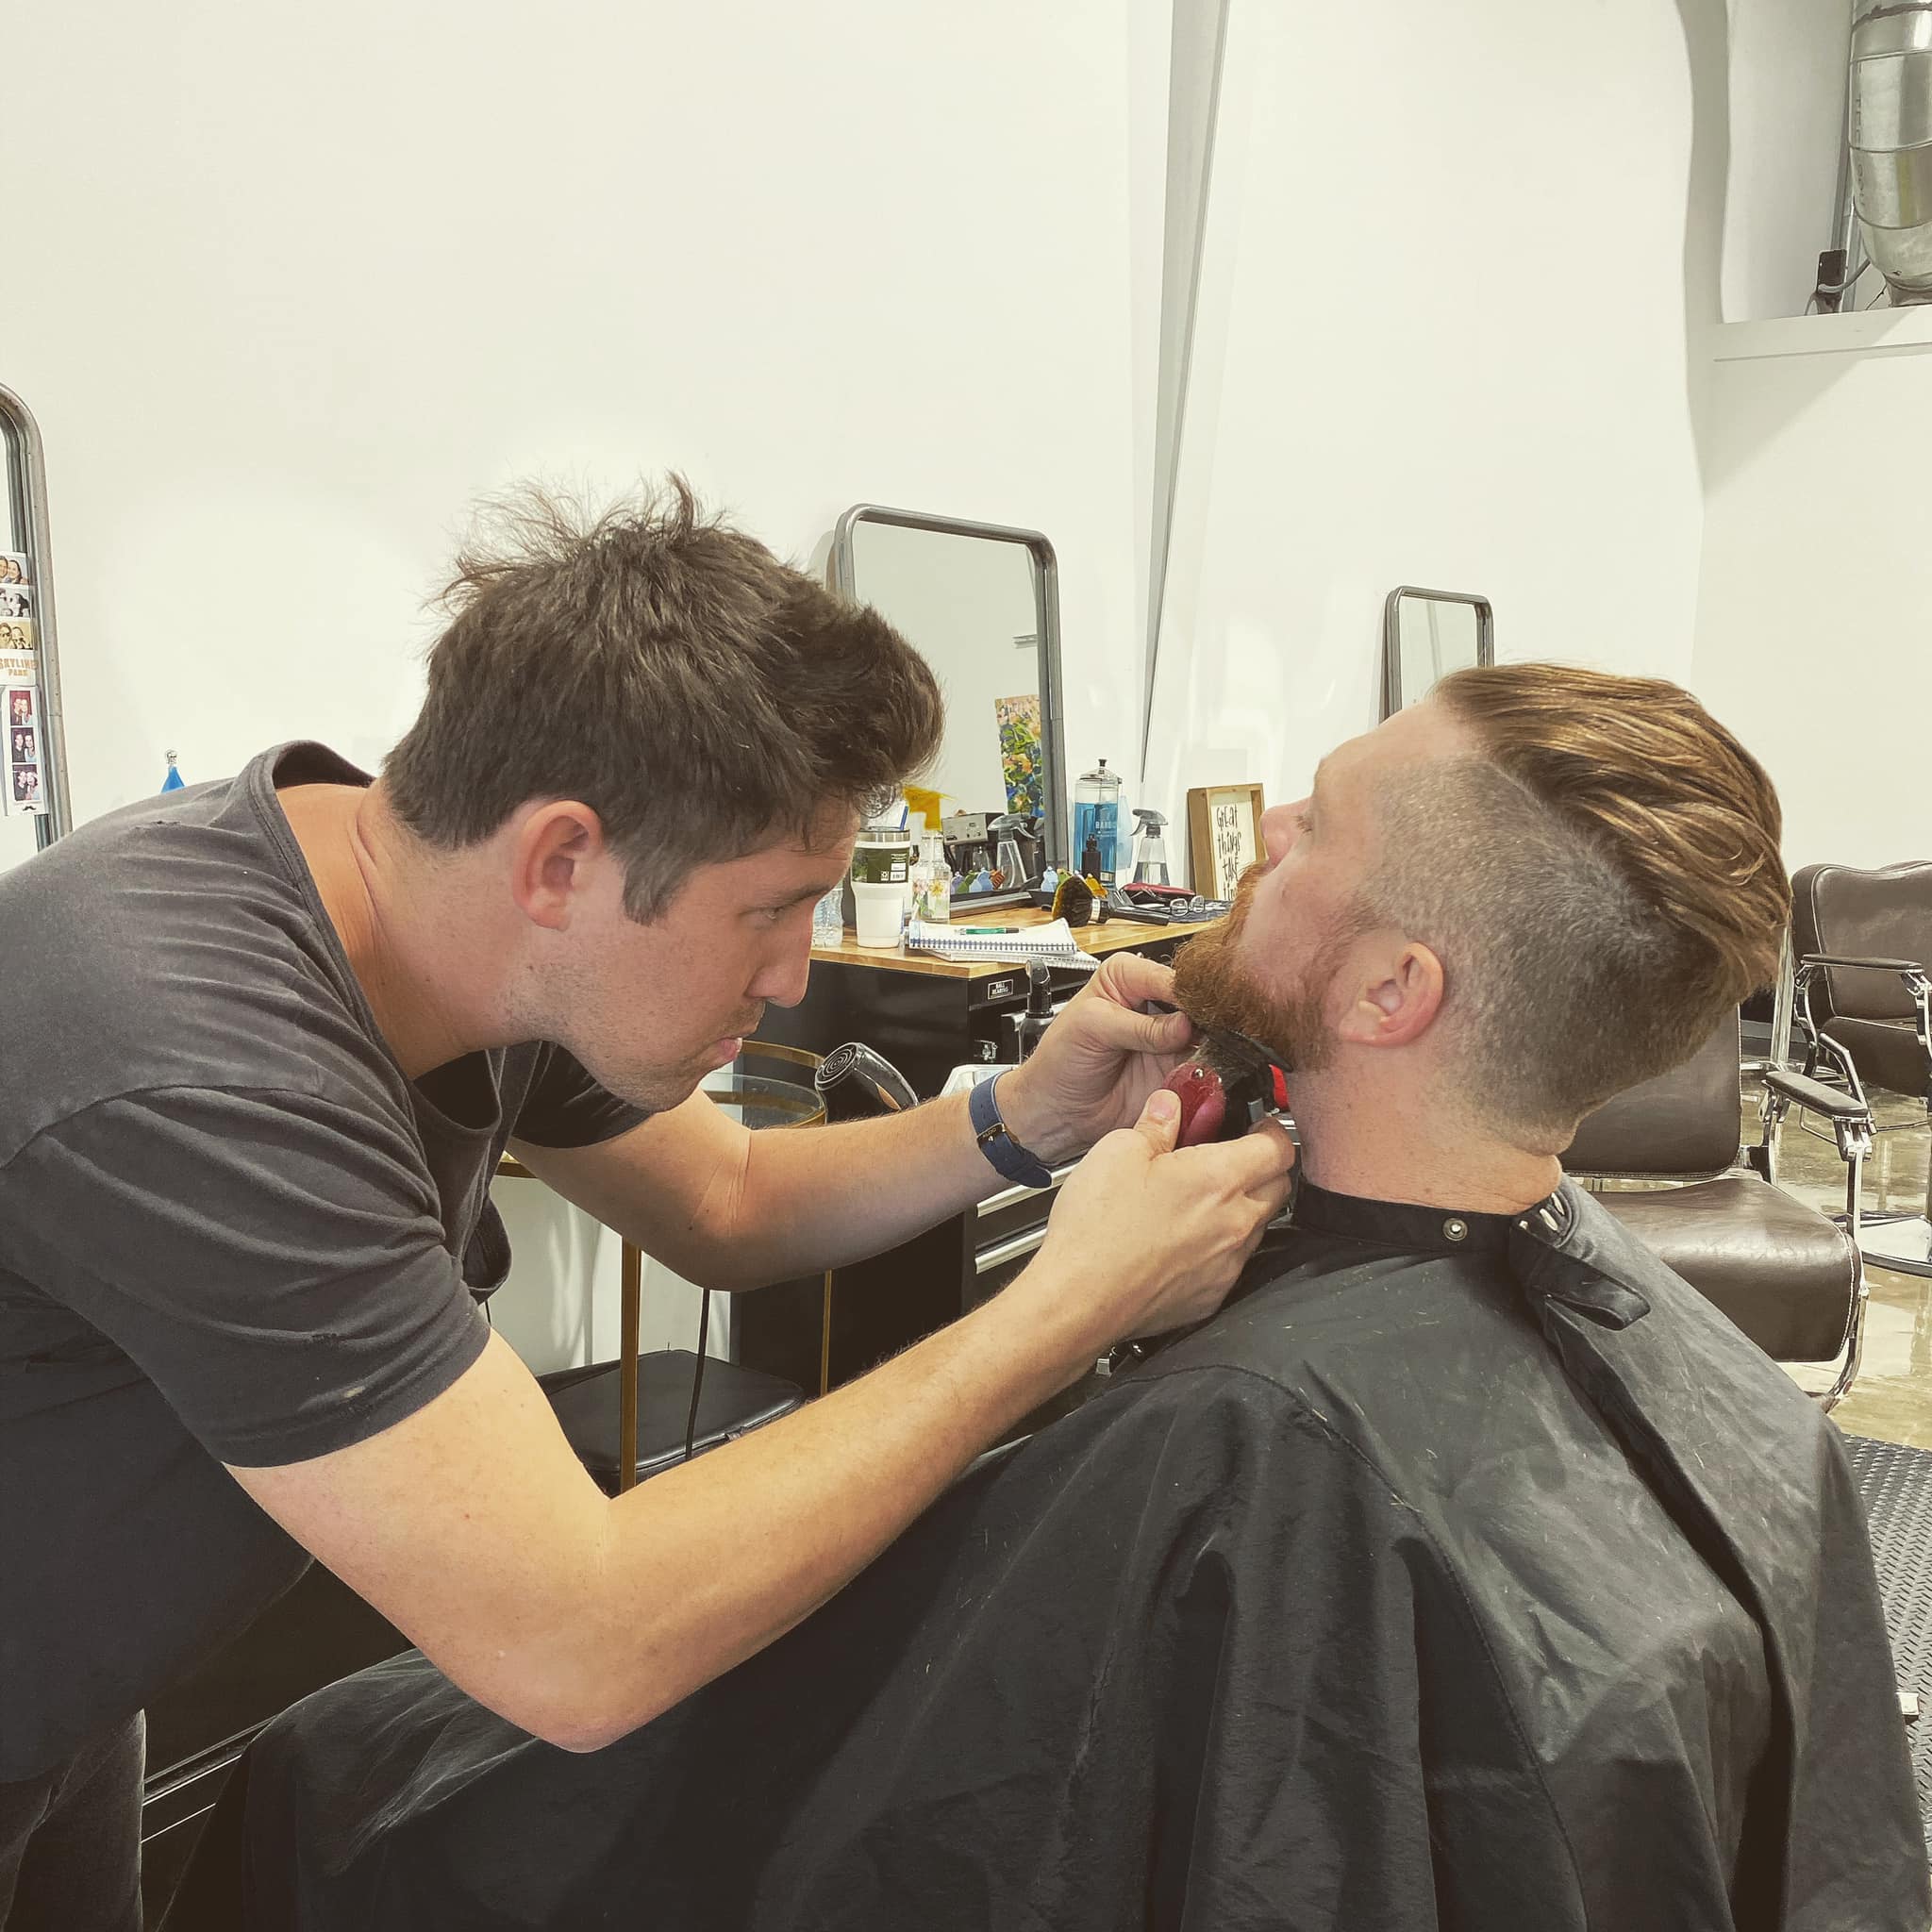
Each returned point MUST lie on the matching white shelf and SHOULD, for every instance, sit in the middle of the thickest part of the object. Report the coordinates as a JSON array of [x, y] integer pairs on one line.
[[1859, 333]]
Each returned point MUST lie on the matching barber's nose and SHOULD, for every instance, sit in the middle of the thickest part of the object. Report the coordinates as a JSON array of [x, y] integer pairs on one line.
[[781, 981], [1280, 829]]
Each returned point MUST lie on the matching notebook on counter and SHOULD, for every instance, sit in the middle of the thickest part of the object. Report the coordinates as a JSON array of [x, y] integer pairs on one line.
[[1054, 942]]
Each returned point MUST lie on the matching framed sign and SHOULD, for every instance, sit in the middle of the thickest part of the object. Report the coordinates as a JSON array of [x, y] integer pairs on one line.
[[1224, 836]]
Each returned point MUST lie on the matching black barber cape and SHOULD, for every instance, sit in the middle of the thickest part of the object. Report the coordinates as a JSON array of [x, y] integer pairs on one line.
[[1466, 1572]]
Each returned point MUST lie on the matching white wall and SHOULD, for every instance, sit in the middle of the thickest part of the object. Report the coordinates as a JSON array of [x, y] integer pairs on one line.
[[1443, 341], [306, 284], [1814, 637], [1787, 96]]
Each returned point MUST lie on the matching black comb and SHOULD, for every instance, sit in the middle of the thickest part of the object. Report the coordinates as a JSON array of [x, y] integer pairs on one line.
[[1248, 1078]]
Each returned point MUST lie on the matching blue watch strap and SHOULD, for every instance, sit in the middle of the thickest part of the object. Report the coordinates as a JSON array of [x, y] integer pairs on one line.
[[1006, 1154]]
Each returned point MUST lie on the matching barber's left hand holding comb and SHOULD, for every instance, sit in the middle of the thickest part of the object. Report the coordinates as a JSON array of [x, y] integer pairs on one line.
[[1097, 1063]]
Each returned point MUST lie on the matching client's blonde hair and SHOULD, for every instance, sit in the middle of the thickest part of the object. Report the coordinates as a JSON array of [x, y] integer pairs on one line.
[[1603, 881]]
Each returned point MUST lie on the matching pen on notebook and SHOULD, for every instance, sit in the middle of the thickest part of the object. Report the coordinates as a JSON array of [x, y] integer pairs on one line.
[[997, 931]]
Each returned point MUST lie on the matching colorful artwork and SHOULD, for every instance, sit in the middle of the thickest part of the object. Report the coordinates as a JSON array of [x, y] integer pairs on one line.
[[1021, 762]]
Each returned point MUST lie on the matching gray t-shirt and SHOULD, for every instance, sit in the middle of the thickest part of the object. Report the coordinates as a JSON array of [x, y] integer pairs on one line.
[[230, 1231]]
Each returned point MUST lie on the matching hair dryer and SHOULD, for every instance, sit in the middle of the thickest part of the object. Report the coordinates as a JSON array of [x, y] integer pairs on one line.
[[854, 1081]]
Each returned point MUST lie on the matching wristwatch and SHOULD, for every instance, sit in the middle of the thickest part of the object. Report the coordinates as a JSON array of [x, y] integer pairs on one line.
[[996, 1143]]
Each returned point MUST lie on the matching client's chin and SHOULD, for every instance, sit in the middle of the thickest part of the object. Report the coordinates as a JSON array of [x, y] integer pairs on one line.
[[1213, 989]]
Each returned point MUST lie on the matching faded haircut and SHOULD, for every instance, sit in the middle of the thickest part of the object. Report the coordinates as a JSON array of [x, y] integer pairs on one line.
[[1603, 882], [703, 698]]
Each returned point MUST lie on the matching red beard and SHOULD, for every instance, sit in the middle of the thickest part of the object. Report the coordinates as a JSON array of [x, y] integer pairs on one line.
[[1216, 990]]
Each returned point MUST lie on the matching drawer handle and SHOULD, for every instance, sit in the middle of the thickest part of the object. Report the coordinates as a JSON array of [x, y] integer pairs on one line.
[[1009, 1197], [987, 1259]]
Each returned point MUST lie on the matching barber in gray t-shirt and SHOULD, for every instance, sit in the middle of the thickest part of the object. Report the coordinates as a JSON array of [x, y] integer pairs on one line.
[[268, 1039]]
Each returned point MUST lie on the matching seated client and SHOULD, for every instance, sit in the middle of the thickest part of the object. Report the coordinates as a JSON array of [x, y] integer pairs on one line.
[[1467, 1570]]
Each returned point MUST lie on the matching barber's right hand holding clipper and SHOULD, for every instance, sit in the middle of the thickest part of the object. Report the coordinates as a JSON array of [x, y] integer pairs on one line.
[[1150, 1237]]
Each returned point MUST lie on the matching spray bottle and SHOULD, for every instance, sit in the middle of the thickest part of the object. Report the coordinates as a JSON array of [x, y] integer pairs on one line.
[[1150, 867], [1029, 1026]]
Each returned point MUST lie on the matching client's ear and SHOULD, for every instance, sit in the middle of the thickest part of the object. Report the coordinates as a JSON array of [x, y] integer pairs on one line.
[[1397, 998]]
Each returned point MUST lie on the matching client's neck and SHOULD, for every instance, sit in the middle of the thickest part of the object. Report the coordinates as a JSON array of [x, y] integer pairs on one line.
[[1402, 1146]]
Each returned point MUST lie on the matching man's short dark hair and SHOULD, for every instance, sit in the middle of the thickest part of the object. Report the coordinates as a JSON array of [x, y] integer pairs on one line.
[[702, 697]]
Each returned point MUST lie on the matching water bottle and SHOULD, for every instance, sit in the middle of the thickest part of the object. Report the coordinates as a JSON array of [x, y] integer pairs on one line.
[[1097, 824], [828, 917]]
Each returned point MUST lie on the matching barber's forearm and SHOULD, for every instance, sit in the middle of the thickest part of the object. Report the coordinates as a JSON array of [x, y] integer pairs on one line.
[[704, 1565], [833, 1195]]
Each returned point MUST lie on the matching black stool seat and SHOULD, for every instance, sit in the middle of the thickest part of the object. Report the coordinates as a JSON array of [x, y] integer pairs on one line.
[[732, 1400]]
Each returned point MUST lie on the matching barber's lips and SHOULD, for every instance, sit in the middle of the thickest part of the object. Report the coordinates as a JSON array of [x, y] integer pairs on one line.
[[728, 1048]]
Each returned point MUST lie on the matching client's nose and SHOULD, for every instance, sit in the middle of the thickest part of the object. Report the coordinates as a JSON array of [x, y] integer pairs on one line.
[[1280, 827]]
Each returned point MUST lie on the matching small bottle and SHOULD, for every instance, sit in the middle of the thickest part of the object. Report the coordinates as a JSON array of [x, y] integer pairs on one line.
[[915, 841], [932, 883], [828, 917], [1037, 1017]]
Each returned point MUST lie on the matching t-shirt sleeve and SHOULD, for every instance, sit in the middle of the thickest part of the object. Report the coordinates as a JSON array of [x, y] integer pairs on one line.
[[272, 1262], [565, 1107]]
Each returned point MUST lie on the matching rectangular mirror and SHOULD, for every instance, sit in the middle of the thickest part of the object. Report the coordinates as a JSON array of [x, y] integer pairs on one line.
[[1427, 634], [980, 602]]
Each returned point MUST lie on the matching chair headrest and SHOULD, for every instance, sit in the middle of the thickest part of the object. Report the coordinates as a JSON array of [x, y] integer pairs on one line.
[[1881, 914], [1682, 1124]]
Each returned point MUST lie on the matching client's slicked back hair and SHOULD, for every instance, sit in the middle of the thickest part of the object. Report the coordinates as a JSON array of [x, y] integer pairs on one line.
[[1604, 882], [702, 697]]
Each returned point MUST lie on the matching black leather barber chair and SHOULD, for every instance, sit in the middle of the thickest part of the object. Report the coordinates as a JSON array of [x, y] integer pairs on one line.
[[1789, 1276], [1862, 941]]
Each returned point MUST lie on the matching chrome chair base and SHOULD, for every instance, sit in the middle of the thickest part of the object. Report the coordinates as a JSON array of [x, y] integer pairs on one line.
[[1903, 1242]]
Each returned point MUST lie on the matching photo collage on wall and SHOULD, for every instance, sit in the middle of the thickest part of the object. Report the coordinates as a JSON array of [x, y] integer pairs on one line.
[[20, 681]]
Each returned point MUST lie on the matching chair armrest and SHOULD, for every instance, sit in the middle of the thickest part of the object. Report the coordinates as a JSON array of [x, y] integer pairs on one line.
[[1816, 1095], [1872, 965]]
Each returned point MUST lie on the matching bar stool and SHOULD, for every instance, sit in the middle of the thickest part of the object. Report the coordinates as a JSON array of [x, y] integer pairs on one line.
[[760, 1090]]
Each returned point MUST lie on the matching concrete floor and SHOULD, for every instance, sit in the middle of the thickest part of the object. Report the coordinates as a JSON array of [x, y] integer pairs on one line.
[[1893, 1397]]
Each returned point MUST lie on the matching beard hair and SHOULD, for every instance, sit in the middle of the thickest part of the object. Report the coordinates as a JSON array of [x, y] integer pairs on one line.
[[1214, 990]]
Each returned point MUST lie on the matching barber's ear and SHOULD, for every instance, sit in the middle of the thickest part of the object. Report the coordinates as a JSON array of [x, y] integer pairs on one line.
[[551, 846], [1399, 1001]]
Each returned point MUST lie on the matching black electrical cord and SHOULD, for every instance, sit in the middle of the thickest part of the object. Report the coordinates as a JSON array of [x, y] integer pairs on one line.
[[697, 1372]]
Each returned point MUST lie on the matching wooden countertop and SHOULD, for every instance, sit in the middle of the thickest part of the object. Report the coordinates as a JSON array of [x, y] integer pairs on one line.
[[1116, 935]]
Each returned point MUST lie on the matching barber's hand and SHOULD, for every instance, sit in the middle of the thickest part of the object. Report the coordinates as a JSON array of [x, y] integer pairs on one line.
[[1156, 1236], [1097, 1063]]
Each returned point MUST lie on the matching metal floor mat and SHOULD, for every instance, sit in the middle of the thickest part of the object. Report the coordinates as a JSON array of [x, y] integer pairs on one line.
[[1895, 1485]]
